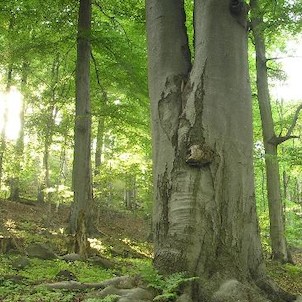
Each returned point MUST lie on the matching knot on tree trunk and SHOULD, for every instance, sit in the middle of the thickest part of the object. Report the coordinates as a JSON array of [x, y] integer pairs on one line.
[[237, 7]]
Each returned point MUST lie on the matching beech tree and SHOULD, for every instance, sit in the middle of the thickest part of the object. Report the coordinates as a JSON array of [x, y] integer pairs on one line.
[[204, 218], [271, 141], [80, 219]]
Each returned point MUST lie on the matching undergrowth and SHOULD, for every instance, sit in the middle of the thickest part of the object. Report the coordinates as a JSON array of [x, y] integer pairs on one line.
[[20, 285]]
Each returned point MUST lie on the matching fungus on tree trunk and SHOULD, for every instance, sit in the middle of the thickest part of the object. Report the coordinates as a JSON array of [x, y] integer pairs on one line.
[[199, 155]]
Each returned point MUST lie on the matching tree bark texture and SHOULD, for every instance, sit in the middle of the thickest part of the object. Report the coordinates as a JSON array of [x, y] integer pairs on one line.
[[82, 186], [277, 230], [204, 214]]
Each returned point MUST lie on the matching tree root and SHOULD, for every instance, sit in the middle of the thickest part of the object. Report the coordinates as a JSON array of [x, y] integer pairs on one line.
[[119, 282], [274, 292]]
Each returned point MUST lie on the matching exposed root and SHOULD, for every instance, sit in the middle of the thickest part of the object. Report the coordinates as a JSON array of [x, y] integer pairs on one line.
[[274, 292]]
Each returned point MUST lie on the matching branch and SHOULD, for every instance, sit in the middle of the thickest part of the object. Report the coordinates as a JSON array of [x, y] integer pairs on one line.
[[96, 71], [274, 69], [283, 58], [98, 77], [74, 285], [114, 20], [294, 121], [277, 140]]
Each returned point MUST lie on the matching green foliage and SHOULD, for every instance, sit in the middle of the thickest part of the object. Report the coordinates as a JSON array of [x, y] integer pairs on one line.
[[47, 270], [168, 286], [12, 292], [293, 223]]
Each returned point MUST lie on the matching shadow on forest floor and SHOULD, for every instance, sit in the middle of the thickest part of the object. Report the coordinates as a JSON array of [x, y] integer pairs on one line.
[[122, 240]]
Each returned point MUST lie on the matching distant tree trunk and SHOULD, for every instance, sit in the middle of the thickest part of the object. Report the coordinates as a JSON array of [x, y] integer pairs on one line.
[[280, 250], [205, 219], [130, 192], [51, 114], [19, 148], [44, 183], [82, 183], [101, 121], [286, 195], [3, 130], [99, 144]]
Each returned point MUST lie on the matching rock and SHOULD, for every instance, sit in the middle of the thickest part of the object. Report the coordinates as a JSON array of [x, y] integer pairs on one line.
[[40, 251], [123, 282], [138, 293], [65, 275], [233, 290], [184, 298], [20, 263], [133, 294], [110, 290], [128, 282], [15, 279], [71, 257], [102, 261]]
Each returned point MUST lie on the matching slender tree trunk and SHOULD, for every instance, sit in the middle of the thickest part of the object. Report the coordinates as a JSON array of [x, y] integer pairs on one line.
[[3, 130], [82, 184], [99, 144], [46, 153], [205, 219], [19, 148], [48, 137], [280, 251], [130, 192]]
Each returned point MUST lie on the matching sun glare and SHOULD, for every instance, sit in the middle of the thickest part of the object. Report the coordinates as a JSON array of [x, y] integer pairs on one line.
[[290, 89], [11, 103]]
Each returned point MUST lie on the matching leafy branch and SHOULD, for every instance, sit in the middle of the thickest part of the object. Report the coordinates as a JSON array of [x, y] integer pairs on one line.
[[277, 140]]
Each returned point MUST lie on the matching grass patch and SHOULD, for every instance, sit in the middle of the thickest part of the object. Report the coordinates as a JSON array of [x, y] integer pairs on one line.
[[39, 271]]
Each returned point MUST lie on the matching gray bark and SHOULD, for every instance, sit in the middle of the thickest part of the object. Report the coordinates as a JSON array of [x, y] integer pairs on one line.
[[82, 186], [204, 215], [277, 231]]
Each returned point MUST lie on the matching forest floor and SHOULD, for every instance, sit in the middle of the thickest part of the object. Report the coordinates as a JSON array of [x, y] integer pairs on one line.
[[122, 240]]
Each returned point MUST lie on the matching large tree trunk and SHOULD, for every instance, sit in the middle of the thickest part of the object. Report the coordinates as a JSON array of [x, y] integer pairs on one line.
[[82, 185], [205, 217], [280, 251]]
